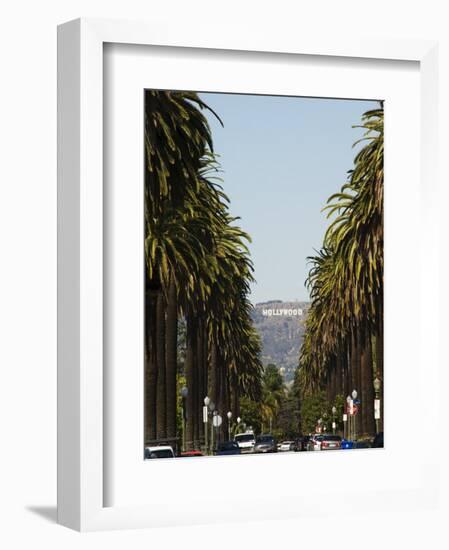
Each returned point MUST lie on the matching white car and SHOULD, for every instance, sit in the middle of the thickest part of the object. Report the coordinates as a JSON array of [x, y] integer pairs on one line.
[[159, 452], [315, 442], [246, 442], [285, 446]]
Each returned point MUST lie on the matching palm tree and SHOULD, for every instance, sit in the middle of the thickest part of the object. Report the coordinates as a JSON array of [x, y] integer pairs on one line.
[[177, 137], [197, 268], [346, 281]]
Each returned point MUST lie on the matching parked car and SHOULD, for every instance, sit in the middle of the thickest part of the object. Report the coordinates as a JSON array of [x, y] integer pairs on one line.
[[265, 443], [330, 442], [314, 443], [246, 442], [347, 444], [228, 448], [159, 452], [378, 441], [286, 446], [191, 453], [301, 443]]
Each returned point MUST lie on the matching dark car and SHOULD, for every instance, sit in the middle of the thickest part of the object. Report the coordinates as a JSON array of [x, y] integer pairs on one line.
[[228, 448], [378, 441], [347, 444], [301, 443], [266, 443]]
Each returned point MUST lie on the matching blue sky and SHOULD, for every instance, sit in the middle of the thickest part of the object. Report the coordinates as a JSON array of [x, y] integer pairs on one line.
[[282, 157]]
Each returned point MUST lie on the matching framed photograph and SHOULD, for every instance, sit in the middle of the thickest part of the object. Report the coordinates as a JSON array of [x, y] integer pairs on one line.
[[235, 292]]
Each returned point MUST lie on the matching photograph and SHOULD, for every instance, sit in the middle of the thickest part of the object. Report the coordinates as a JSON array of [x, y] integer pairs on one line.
[[264, 259]]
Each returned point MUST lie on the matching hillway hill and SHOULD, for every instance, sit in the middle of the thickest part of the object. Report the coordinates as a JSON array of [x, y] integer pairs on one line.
[[281, 328]]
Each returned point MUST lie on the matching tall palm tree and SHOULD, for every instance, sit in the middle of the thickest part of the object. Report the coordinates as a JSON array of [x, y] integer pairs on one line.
[[346, 279], [177, 138]]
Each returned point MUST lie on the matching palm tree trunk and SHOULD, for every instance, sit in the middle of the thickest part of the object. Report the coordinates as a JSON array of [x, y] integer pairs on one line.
[[190, 383], [340, 376], [380, 369], [161, 411], [368, 389], [328, 386], [201, 378], [213, 372], [355, 370], [151, 370], [171, 338]]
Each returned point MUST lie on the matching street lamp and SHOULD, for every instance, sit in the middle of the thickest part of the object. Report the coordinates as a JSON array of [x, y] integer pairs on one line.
[[348, 412], [354, 397], [377, 386], [325, 421], [229, 415], [184, 394], [205, 421], [334, 412]]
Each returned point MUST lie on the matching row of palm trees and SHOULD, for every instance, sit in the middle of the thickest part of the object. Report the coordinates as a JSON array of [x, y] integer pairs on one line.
[[198, 269], [343, 343]]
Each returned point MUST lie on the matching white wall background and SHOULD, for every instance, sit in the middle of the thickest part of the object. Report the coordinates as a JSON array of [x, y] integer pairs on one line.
[[28, 265]]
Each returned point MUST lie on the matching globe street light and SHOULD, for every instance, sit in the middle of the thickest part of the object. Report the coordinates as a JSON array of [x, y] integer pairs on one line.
[[229, 415], [377, 386], [206, 401]]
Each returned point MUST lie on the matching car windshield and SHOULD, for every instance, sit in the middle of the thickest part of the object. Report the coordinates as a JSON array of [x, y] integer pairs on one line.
[[265, 439], [331, 437], [244, 437]]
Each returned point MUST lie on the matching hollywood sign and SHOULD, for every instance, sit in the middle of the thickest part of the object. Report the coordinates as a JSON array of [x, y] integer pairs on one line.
[[285, 312]]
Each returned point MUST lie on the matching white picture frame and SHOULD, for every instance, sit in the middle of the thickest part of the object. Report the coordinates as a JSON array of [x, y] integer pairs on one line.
[[81, 404]]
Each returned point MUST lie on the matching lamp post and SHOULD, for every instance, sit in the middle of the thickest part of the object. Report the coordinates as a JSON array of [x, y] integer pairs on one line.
[[212, 409], [184, 394], [348, 411], [205, 420], [377, 386], [229, 415], [324, 421], [237, 426], [334, 412], [354, 397]]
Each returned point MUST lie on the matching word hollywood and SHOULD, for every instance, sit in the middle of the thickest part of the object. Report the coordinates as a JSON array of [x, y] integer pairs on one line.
[[286, 312]]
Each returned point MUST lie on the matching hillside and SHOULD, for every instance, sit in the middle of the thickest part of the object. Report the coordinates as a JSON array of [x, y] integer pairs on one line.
[[281, 328]]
